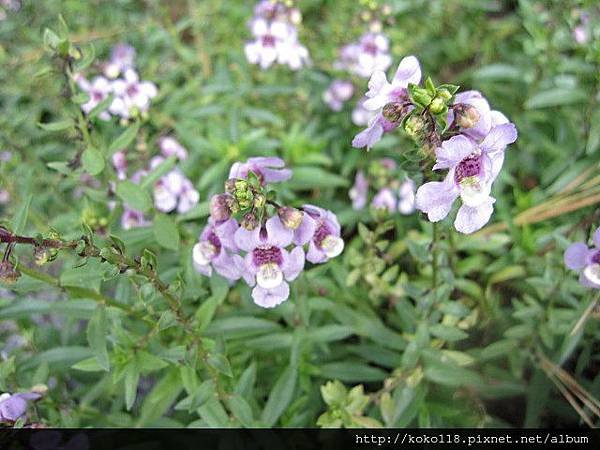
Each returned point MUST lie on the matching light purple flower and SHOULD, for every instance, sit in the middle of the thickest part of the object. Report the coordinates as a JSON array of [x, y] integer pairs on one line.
[[267, 169], [215, 250], [381, 93], [119, 161], [292, 53], [175, 191], [268, 266], [360, 191], [586, 261], [385, 199], [268, 42], [98, 90], [472, 170], [406, 197], [132, 95], [13, 407], [169, 146], [122, 57], [326, 242], [338, 92], [132, 218], [366, 56]]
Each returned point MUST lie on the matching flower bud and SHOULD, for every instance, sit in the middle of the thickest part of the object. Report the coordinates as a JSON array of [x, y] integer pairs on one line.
[[421, 97], [466, 116], [8, 273], [437, 105], [230, 186], [415, 126], [444, 94], [219, 207], [394, 112], [40, 255], [290, 217], [249, 222], [259, 200]]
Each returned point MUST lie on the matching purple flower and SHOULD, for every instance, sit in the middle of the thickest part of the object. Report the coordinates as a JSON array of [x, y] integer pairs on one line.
[[132, 218], [215, 248], [132, 95], [385, 199], [122, 58], [268, 266], [326, 242], [13, 407], [169, 146], [381, 93], [267, 169], [586, 261], [406, 197], [175, 191], [366, 56], [338, 92], [268, 42], [472, 170], [360, 191], [98, 90], [119, 161]]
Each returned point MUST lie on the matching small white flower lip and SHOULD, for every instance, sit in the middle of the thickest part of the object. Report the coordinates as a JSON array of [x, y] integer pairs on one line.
[[203, 252], [592, 273], [332, 246], [269, 276]]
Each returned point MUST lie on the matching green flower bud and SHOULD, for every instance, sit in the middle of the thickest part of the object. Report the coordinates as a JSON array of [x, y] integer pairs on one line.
[[421, 97], [415, 126], [260, 200], [437, 105], [444, 94]]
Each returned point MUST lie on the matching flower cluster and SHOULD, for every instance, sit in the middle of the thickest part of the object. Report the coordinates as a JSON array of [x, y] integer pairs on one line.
[[392, 194], [461, 132], [586, 261], [250, 236], [274, 27], [172, 192], [14, 406], [131, 97], [369, 54]]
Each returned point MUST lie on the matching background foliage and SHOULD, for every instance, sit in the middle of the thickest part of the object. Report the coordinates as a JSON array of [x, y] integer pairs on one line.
[[476, 344]]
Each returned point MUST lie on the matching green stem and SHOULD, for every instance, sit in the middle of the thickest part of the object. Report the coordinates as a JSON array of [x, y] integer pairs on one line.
[[434, 255]]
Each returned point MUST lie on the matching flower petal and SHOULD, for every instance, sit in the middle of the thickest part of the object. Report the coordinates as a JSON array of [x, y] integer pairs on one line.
[[575, 256], [305, 232], [369, 136], [597, 238], [247, 240], [293, 264], [470, 219], [269, 298], [500, 136], [409, 71], [436, 198], [453, 151], [277, 234]]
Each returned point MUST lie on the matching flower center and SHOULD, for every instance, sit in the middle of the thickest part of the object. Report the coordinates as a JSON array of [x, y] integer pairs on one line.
[[467, 168], [370, 48], [268, 40], [205, 251], [596, 257], [97, 96], [269, 276], [132, 90], [267, 255]]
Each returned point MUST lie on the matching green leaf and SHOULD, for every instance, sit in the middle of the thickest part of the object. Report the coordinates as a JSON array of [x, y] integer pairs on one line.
[[280, 396], [315, 177], [96, 336], [134, 196], [89, 365], [124, 139], [219, 361], [241, 410], [20, 219], [61, 125], [132, 377], [166, 232], [593, 142], [147, 362], [93, 161], [447, 333], [556, 97]]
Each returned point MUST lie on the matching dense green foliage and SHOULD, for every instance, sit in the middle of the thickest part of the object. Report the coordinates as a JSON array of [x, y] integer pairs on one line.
[[439, 328]]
